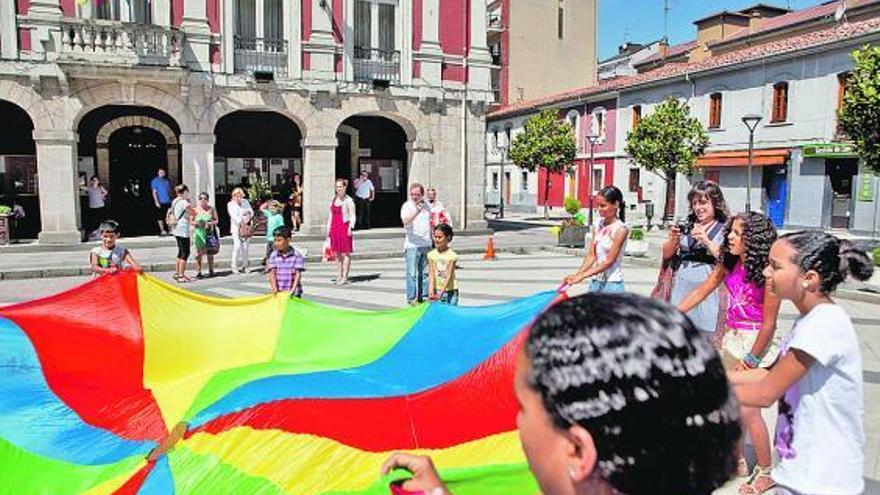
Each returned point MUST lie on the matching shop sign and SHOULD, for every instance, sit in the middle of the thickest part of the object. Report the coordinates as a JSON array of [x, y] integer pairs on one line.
[[830, 150], [867, 182]]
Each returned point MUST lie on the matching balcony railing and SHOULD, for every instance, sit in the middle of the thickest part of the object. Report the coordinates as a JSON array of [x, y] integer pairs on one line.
[[373, 64], [105, 41], [260, 55], [493, 21]]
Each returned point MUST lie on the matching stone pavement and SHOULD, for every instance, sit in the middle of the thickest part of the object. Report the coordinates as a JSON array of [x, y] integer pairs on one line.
[[379, 284]]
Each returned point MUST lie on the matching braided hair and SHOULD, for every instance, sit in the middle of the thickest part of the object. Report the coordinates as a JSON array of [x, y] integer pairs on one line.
[[758, 235], [832, 258], [650, 390]]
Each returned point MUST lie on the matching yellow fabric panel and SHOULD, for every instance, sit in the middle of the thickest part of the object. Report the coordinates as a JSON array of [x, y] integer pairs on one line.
[[190, 337], [298, 463], [110, 486]]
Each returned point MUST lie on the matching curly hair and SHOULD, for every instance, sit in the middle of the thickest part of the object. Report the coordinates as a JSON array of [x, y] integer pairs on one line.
[[710, 190], [832, 258], [650, 390], [758, 235]]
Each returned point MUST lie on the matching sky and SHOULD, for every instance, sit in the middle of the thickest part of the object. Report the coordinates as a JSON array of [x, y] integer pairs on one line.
[[642, 20]]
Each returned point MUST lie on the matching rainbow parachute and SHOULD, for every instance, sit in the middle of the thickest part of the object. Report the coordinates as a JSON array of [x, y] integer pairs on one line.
[[129, 385]]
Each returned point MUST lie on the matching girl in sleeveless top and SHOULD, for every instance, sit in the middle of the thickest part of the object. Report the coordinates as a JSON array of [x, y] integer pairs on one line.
[[605, 254], [750, 340], [340, 224]]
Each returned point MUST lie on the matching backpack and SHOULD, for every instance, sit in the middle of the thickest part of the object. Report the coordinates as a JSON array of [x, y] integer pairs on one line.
[[170, 219]]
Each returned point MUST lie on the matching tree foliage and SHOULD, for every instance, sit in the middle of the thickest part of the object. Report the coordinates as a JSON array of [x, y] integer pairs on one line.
[[546, 142], [860, 114]]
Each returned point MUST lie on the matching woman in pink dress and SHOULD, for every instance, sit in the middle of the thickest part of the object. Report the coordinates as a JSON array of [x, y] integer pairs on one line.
[[339, 227]]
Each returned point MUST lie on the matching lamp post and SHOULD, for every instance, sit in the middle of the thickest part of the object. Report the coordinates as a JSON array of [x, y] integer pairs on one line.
[[592, 139], [502, 147], [751, 121]]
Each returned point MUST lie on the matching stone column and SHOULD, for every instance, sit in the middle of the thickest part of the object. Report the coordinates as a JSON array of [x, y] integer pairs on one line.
[[479, 58], [228, 33], [431, 54], [198, 163], [198, 35], [8, 30], [322, 44], [319, 171], [421, 157], [58, 190]]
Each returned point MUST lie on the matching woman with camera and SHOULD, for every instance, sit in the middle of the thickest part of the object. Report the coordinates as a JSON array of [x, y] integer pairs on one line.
[[692, 248]]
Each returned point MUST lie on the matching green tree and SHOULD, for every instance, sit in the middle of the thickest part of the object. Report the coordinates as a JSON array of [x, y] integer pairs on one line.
[[668, 141], [546, 142], [860, 114]]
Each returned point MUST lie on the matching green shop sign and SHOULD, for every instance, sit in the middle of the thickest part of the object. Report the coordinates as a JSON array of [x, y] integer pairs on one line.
[[830, 150], [867, 181]]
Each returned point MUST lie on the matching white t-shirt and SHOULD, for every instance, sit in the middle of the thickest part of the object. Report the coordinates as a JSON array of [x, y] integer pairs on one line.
[[418, 232], [96, 197], [604, 242], [819, 433], [364, 188], [108, 258]]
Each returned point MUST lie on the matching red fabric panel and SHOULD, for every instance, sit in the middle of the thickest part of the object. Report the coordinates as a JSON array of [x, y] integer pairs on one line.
[[101, 377], [436, 418], [133, 485]]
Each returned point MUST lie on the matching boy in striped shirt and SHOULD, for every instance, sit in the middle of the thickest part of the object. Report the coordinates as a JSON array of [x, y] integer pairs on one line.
[[285, 265]]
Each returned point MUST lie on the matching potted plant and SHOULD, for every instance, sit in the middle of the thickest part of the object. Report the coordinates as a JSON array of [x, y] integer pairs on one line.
[[5, 225], [572, 231], [637, 245], [259, 191]]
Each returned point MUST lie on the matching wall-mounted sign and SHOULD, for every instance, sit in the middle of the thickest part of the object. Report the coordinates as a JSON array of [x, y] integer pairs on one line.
[[365, 152], [867, 182], [830, 150]]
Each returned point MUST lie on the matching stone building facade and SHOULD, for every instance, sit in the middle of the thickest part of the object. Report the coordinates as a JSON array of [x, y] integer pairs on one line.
[[222, 93]]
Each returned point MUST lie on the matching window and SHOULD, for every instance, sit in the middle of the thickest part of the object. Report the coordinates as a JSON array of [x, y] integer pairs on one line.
[[634, 180], [108, 10], [842, 85], [560, 19], [598, 123], [524, 181], [597, 179], [573, 118], [636, 116], [273, 28], [374, 26], [141, 11], [780, 102], [363, 24], [715, 111], [495, 181]]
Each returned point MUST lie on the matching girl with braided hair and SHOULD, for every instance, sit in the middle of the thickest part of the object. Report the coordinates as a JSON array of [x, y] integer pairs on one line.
[[750, 339], [618, 394], [818, 380]]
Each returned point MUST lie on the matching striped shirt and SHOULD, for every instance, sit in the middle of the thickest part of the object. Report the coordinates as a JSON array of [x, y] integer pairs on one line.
[[285, 266]]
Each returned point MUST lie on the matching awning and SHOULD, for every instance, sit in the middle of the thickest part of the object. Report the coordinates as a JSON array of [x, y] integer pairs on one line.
[[740, 158]]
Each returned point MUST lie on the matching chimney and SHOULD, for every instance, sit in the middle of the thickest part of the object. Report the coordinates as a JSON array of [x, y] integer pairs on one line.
[[755, 21], [663, 48]]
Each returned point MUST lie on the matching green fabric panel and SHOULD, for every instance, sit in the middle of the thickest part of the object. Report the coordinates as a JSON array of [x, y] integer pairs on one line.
[[318, 338], [204, 474], [23, 472], [505, 479]]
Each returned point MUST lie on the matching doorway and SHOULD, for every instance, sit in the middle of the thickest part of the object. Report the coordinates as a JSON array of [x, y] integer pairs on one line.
[[776, 185], [134, 155], [841, 173]]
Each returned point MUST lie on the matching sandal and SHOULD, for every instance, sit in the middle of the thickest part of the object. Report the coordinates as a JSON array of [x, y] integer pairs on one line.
[[182, 279], [759, 482], [742, 468]]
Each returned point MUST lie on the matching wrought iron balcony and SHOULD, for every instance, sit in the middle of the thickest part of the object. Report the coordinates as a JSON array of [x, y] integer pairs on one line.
[[260, 55], [373, 64], [95, 40]]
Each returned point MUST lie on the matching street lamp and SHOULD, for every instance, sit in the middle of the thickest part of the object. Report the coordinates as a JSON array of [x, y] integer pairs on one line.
[[592, 139], [502, 147], [751, 121]]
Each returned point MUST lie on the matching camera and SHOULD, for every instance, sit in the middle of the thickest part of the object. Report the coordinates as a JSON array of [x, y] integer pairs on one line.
[[685, 226]]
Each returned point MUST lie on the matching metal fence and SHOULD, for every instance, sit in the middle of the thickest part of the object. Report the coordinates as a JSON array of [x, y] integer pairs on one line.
[[371, 64], [260, 55]]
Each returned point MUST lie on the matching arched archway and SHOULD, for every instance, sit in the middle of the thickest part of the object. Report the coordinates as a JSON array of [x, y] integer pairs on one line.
[[377, 145], [125, 146], [18, 168], [255, 145]]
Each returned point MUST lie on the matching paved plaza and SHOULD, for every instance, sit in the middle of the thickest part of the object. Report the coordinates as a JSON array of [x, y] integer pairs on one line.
[[378, 284]]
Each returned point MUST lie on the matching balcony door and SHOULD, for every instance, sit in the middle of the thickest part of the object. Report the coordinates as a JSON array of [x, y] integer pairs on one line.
[[259, 23], [376, 34], [136, 11]]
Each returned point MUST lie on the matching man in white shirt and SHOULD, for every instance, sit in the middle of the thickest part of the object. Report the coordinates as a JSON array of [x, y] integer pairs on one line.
[[364, 194], [416, 217]]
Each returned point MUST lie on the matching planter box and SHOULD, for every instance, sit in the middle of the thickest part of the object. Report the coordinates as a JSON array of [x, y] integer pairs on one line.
[[637, 248], [573, 236], [5, 229]]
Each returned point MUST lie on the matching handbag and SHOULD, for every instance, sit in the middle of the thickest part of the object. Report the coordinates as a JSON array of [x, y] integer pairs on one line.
[[212, 242], [663, 288], [170, 219], [245, 230]]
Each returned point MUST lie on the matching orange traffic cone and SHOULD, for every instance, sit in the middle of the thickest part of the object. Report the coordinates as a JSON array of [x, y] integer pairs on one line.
[[490, 249]]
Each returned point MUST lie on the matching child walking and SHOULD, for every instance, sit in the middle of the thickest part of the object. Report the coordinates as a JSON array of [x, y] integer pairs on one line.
[[820, 438], [272, 210], [110, 257], [750, 339], [285, 265], [605, 254], [442, 283]]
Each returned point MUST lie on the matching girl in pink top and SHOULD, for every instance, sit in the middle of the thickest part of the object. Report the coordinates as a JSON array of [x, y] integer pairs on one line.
[[750, 339]]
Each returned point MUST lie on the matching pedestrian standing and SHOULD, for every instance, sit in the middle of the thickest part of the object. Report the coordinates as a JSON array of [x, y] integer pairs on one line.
[[240, 216], [693, 248], [161, 188], [438, 210], [97, 204], [181, 214], [296, 198], [285, 265], [820, 437], [273, 211], [340, 225], [416, 217], [364, 194], [204, 227], [605, 255], [442, 282], [750, 340]]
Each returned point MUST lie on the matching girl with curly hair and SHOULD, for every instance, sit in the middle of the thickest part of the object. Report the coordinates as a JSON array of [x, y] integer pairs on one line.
[[820, 438], [618, 394], [750, 339]]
